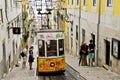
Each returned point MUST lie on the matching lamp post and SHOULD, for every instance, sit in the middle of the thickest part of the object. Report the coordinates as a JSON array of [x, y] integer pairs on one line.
[[79, 25]]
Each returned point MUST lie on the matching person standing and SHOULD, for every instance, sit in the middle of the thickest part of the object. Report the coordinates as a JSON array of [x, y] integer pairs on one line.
[[91, 53], [80, 54], [84, 52], [31, 58], [24, 57]]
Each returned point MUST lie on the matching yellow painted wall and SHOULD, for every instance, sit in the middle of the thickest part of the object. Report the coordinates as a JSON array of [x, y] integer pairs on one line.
[[102, 6], [24, 2], [116, 7], [44, 64], [65, 3], [81, 4], [89, 5]]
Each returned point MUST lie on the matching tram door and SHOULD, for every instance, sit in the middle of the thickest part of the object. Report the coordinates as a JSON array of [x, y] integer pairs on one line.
[[107, 52]]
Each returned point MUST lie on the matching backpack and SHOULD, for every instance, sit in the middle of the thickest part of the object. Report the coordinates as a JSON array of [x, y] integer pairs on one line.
[[22, 54]]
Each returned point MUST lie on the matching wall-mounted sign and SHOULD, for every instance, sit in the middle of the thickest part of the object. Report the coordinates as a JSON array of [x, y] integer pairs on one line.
[[16, 30], [116, 48]]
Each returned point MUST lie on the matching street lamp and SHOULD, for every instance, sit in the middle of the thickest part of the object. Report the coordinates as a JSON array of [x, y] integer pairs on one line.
[[66, 17]]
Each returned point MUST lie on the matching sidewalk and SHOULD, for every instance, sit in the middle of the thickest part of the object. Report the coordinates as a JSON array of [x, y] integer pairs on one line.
[[18, 73], [91, 73]]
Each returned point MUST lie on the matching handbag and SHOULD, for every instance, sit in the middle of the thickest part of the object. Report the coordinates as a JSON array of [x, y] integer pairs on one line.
[[22, 54]]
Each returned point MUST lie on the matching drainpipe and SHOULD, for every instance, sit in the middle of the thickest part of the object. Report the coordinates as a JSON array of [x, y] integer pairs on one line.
[[6, 13], [98, 27], [79, 26]]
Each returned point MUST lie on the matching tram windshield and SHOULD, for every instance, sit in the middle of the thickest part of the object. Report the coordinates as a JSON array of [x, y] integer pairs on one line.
[[49, 48]]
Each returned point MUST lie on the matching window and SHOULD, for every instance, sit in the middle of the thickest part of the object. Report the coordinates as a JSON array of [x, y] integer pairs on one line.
[[51, 47], [84, 2], [1, 16], [83, 35], [71, 43], [94, 2], [61, 47], [109, 3], [72, 29], [77, 32], [93, 37], [77, 2], [72, 2], [41, 47]]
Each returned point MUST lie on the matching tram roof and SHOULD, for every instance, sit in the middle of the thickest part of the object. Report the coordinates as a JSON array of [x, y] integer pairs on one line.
[[49, 30]]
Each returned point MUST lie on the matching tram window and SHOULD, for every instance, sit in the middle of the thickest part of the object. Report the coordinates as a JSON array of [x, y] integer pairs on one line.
[[41, 46], [51, 47], [61, 47]]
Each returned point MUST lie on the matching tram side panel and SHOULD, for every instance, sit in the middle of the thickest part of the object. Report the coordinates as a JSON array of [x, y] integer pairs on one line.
[[51, 64]]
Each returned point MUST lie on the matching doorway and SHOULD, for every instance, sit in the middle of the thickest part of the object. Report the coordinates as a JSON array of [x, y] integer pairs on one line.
[[93, 38], [107, 52]]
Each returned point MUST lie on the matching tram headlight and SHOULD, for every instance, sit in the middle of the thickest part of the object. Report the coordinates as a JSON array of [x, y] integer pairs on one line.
[[52, 64]]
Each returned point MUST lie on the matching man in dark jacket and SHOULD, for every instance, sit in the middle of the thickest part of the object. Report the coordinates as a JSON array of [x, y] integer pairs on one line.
[[83, 54], [91, 52]]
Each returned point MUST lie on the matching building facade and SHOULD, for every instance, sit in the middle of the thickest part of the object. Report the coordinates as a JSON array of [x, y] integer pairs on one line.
[[97, 20], [10, 46], [73, 27]]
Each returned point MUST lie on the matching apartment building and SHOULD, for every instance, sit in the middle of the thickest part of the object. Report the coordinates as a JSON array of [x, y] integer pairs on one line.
[[98, 20], [10, 46]]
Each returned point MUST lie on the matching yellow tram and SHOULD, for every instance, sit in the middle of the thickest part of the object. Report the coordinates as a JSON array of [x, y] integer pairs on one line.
[[51, 57]]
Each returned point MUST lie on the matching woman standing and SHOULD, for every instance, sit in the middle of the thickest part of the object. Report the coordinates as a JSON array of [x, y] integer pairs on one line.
[[31, 58]]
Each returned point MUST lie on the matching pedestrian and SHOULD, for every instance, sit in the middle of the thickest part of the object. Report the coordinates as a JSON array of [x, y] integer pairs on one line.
[[84, 52], [24, 57], [80, 54], [31, 58], [91, 53]]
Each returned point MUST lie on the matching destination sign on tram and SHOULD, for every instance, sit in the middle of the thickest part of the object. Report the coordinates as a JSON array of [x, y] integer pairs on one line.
[[49, 36]]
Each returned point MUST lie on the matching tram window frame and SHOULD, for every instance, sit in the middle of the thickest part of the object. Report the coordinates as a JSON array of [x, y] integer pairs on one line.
[[51, 48], [41, 48], [61, 46]]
